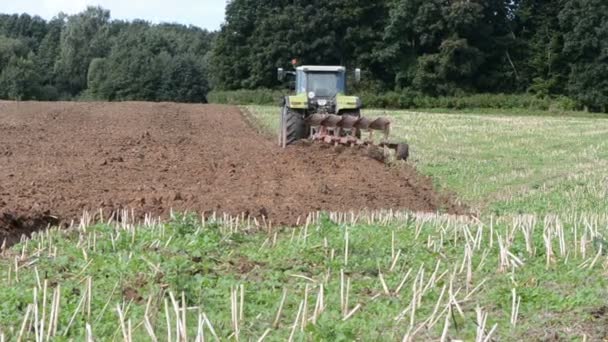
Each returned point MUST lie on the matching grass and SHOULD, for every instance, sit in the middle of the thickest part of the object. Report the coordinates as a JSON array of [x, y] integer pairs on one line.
[[511, 112], [385, 277], [533, 266]]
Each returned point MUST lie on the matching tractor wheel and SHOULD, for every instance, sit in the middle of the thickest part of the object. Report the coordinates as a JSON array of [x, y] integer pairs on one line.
[[293, 127], [403, 151]]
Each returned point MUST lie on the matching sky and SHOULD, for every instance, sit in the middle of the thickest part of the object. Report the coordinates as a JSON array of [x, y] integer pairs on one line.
[[208, 14]]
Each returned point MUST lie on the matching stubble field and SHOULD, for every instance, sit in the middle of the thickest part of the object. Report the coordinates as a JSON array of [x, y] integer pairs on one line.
[[531, 264]]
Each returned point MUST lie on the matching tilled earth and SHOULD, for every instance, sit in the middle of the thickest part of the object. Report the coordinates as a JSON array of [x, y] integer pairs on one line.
[[60, 159]]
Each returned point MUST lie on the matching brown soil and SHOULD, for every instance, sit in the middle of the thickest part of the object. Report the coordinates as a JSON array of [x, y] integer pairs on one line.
[[60, 159], [131, 294]]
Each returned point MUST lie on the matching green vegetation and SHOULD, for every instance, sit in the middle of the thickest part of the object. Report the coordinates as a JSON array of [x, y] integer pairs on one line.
[[88, 56], [381, 278], [246, 97], [433, 47], [414, 53], [412, 100]]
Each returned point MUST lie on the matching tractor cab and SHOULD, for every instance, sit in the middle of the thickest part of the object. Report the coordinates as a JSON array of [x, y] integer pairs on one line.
[[321, 88], [321, 82]]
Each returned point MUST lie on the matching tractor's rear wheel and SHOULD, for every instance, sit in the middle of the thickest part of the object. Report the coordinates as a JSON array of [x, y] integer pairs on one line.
[[293, 127]]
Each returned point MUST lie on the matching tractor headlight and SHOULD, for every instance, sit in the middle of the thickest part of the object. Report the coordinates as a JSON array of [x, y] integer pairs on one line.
[[311, 95], [322, 103]]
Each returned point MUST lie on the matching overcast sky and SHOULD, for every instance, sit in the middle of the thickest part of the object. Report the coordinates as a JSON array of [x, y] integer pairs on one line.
[[207, 14]]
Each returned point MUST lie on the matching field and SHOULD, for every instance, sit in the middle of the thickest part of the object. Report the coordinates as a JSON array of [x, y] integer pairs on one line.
[[529, 264], [506, 164], [61, 159]]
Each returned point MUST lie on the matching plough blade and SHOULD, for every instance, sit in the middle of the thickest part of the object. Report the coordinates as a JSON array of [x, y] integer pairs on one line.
[[345, 129]]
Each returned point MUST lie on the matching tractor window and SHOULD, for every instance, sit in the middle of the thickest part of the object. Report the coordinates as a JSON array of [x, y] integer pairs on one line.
[[324, 84]]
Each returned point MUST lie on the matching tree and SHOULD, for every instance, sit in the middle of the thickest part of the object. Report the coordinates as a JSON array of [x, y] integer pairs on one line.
[[18, 80], [88, 55], [184, 80], [10, 48], [153, 63], [259, 36], [30, 30], [84, 38], [585, 27], [132, 70], [231, 53], [440, 47], [99, 86], [539, 39], [45, 59], [435, 47]]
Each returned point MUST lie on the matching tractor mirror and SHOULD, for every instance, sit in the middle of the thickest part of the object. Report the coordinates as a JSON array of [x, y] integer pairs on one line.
[[281, 74], [357, 75]]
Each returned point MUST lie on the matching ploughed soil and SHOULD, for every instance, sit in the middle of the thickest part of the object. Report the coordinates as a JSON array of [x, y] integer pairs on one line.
[[60, 159]]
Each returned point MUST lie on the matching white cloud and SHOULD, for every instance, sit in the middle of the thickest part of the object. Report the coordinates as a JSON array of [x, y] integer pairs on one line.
[[208, 14]]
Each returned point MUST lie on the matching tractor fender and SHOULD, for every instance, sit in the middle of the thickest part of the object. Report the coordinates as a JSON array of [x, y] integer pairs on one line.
[[345, 103], [296, 101]]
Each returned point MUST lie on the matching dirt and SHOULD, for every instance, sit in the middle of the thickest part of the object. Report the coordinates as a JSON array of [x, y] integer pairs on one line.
[[60, 159], [243, 265], [590, 323], [601, 312], [131, 294]]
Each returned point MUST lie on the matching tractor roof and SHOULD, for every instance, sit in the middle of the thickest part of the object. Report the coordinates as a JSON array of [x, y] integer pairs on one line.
[[321, 68]]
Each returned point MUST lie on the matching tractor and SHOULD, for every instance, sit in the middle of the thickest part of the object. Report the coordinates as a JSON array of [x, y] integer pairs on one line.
[[322, 110]]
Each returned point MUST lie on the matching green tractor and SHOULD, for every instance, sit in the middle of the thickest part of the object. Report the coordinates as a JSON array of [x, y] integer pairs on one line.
[[319, 89], [322, 110]]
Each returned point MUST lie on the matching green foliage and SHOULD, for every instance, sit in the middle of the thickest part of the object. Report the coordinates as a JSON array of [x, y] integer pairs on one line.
[[10, 48], [45, 59], [435, 47], [246, 97], [589, 84], [150, 63], [407, 99], [18, 79], [543, 68], [83, 39], [88, 56], [260, 36], [98, 79], [139, 268], [131, 71], [184, 79], [586, 46], [438, 48]]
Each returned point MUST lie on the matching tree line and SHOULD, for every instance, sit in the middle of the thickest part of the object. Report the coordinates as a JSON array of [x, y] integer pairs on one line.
[[90, 56], [429, 47]]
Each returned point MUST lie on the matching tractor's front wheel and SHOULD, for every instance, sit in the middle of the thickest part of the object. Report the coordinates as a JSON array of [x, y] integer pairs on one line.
[[292, 127]]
